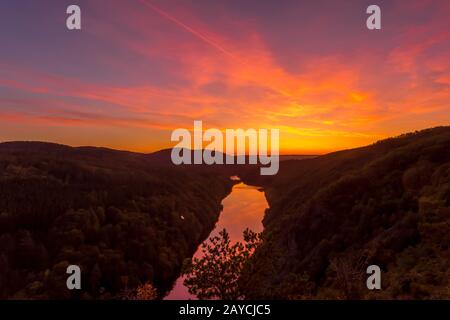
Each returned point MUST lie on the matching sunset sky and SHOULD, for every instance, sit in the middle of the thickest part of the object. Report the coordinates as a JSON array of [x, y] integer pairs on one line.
[[139, 69]]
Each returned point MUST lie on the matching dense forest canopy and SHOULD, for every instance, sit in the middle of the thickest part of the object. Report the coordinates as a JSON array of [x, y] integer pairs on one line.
[[386, 204], [125, 218], [130, 219]]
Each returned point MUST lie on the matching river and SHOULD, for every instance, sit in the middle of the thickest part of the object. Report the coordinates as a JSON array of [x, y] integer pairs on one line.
[[243, 208]]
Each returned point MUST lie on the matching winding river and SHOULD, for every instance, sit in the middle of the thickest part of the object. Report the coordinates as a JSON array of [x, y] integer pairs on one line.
[[243, 208]]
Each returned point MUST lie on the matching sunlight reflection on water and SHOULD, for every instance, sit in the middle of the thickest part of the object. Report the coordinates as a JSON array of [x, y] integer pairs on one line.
[[243, 208]]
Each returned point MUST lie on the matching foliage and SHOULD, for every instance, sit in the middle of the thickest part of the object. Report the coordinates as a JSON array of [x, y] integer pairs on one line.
[[388, 202], [121, 217], [143, 292], [217, 273]]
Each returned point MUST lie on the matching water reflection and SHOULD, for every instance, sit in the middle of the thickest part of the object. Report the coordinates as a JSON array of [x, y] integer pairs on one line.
[[243, 208]]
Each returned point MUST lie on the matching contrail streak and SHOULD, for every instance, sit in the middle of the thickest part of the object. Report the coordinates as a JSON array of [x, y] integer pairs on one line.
[[189, 29]]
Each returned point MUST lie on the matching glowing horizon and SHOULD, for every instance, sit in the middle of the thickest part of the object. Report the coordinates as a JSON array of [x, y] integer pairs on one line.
[[139, 69]]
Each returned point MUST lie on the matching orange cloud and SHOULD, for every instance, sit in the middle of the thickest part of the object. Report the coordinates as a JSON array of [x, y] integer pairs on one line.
[[236, 78]]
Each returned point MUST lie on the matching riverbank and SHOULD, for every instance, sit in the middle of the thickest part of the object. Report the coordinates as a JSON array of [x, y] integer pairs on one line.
[[243, 208]]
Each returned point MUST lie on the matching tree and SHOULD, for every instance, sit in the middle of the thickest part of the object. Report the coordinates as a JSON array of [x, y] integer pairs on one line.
[[145, 291], [216, 274], [350, 273]]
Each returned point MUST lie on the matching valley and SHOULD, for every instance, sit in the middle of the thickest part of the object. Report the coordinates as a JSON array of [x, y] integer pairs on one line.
[[129, 219]]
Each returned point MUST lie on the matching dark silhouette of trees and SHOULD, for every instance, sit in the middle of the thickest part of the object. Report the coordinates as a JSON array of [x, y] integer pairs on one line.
[[389, 201], [115, 214], [217, 273]]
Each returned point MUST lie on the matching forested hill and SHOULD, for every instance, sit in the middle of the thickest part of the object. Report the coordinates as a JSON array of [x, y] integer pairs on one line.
[[330, 217], [124, 218]]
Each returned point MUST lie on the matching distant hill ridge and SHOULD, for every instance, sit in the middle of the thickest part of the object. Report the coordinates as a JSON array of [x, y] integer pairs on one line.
[[386, 204], [124, 219], [117, 214]]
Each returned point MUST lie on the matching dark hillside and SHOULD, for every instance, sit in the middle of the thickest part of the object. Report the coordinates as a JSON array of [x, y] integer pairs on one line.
[[331, 216], [122, 217]]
